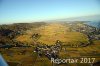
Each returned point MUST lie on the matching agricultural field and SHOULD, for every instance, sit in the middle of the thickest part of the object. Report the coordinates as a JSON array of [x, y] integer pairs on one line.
[[29, 46]]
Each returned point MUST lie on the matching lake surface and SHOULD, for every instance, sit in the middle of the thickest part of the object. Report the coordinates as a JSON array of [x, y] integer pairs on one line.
[[94, 24]]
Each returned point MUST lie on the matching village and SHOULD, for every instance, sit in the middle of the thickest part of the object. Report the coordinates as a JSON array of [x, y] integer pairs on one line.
[[44, 43]]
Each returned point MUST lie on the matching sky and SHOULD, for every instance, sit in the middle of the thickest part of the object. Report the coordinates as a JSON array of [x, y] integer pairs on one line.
[[13, 11]]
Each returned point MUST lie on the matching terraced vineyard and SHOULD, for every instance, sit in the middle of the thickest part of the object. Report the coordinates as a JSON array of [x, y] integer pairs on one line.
[[52, 32], [74, 44], [30, 58]]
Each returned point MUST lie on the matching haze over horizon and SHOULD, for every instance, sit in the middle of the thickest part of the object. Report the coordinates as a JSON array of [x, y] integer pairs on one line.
[[12, 11]]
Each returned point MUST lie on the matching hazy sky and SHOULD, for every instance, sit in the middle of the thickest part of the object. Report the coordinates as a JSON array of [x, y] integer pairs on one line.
[[38, 10]]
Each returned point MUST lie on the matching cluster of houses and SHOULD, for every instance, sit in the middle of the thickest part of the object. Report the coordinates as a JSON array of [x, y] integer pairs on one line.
[[48, 51]]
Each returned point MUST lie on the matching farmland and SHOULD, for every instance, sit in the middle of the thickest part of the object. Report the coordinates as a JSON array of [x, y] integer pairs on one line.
[[74, 39]]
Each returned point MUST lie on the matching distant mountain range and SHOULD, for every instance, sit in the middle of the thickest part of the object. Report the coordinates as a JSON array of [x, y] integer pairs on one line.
[[86, 18], [83, 18], [93, 20]]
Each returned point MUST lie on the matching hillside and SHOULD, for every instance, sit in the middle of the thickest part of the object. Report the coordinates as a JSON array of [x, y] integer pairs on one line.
[[76, 33], [25, 44]]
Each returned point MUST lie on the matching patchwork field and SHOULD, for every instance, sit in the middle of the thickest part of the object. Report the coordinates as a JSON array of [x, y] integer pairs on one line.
[[29, 58], [48, 35]]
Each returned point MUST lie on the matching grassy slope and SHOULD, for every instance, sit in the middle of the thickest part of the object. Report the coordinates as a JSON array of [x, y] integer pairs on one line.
[[52, 32]]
